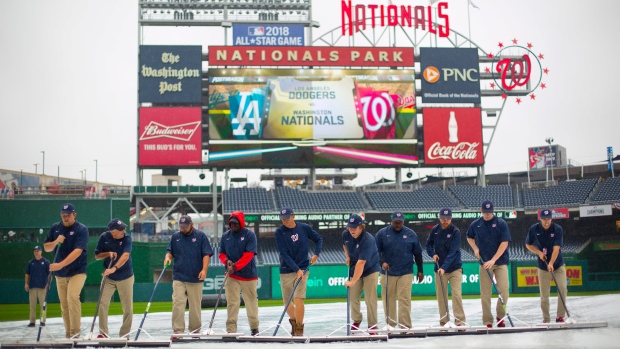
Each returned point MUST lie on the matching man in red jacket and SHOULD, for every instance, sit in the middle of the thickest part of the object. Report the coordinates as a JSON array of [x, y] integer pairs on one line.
[[237, 251]]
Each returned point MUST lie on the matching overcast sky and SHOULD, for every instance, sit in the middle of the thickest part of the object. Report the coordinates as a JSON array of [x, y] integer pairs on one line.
[[69, 85]]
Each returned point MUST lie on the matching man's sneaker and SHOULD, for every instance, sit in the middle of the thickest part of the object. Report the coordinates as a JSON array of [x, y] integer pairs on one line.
[[489, 325], [355, 326], [559, 319], [254, 332], [31, 324], [500, 322], [102, 335]]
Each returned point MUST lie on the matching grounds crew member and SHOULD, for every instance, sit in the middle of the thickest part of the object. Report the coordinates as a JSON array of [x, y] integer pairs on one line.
[[36, 275]]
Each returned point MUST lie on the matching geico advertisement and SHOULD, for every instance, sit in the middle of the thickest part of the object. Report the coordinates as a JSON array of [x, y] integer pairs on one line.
[[528, 276], [214, 283]]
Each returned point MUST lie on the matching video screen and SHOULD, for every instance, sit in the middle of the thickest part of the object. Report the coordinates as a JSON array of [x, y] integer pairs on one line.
[[266, 118]]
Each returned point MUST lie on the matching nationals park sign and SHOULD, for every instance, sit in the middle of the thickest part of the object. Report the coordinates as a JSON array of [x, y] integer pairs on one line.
[[311, 56]]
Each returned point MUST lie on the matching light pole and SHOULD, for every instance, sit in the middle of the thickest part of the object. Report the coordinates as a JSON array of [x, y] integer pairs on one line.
[[43, 167], [549, 141], [21, 177], [36, 166], [96, 170]]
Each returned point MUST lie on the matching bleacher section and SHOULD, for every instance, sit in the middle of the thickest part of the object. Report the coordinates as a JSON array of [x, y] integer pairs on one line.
[[571, 193], [425, 198], [323, 201], [248, 200], [609, 192], [471, 196]]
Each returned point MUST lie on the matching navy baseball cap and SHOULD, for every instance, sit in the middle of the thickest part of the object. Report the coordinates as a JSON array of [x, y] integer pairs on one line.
[[185, 221], [354, 221], [286, 212], [67, 208], [487, 206], [233, 219], [37, 248], [116, 224], [445, 213], [546, 213], [397, 216]]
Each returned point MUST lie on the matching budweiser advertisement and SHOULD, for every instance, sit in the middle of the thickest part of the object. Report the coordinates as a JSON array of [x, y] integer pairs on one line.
[[557, 213], [296, 56], [453, 136], [170, 137]]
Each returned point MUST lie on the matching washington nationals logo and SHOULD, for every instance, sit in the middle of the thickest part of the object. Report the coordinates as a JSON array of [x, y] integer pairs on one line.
[[295, 237], [520, 72]]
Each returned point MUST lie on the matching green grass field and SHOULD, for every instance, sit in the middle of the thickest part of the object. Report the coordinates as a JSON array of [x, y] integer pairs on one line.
[[17, 312]]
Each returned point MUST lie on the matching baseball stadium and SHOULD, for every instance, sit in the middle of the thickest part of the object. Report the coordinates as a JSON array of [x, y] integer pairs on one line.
[[391, 87]]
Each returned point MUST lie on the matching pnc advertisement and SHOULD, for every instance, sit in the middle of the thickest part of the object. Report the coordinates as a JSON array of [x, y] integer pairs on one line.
[[528, 276], [170, 136], [302, 118], [450, 75], [453, 136]]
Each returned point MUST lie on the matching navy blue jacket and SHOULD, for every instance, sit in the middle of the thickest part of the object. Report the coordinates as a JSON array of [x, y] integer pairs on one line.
[[545, 240], [488, 236], [397, 248], [107, 243], [363, 248], [293, 245], [445, 243], [188, 252], [39, 271], [234, 246], [76, 236]]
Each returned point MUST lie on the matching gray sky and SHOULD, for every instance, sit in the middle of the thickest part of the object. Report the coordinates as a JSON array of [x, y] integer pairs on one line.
[[70, 83]]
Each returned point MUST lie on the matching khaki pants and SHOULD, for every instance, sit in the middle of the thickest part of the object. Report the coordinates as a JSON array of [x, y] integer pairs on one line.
[[233, 301], [544, 283], [397, 288], [287, 281], [455, 279], [69, 289], [368, 284], [181, 293], [33, 295], [125, 293], [486, 291]]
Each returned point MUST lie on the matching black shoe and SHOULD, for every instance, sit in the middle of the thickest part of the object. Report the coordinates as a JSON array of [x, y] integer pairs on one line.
[[255, 332], [31, 324]]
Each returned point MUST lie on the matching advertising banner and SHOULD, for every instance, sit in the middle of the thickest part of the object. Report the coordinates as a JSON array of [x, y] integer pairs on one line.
[[170, 74], [322, 118], [528, 276], [557, 213], [251, 56], [453, 136], [450, 75], [541, 157], [268, 34], [610, 158], [170, 137], [595, 211], [215, 278]]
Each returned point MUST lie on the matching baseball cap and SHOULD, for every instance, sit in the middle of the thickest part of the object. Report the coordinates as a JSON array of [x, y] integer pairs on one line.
[[116, 224], [354, 221], [37, 248], [546, 213], [185, 220], [67, 208], [487, 206], [286, 212], [445, 213], [233, 219], [397, 216]]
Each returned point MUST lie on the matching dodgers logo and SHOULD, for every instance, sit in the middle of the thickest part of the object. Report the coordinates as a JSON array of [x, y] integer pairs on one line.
[[247, 113]]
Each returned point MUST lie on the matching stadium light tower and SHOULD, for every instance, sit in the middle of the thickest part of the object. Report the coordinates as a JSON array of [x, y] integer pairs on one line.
[[549, 141], [43, 166]]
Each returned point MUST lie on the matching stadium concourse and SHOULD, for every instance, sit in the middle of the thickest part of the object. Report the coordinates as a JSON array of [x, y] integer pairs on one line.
[[325, 319]]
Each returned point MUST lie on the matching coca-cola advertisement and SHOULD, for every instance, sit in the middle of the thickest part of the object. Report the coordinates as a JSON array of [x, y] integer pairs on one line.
[[170, 137], [453, 136]]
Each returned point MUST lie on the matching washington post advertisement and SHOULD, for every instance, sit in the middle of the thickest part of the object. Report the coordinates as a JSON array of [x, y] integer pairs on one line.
[[450, 75], [312, 117]]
